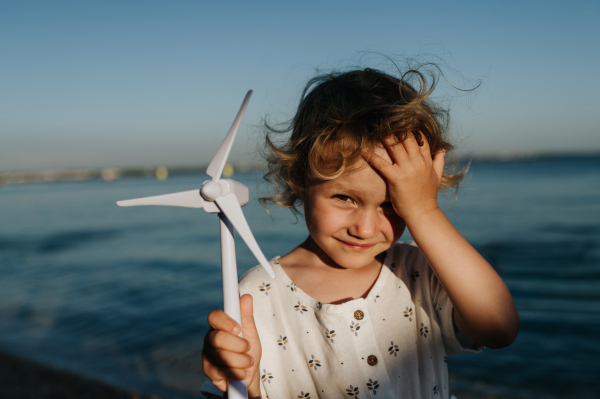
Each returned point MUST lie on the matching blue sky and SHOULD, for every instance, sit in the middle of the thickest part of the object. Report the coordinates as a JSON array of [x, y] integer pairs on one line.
[[95, 84]]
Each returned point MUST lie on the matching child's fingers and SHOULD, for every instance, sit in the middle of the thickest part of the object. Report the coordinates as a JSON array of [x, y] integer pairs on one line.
[[228, 359], [215, 375], [219, 320], [425, 149], [219, 375], [218, 372], [219, 339], [247, 318], [438, 163], [411, 145], [395, 149], [377, 162]]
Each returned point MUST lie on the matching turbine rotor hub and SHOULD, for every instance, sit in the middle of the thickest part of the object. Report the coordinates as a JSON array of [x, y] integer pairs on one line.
[[211, 190]]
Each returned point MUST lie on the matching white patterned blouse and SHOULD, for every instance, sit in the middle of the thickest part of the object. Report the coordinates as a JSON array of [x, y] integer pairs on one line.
[[391, 344]]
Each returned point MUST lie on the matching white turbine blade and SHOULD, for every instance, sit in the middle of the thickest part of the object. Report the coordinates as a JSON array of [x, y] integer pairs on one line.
[[186, 199], [230, 206], [215, 168]]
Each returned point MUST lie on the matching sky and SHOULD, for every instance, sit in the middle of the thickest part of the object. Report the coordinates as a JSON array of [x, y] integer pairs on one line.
[[136, 83]]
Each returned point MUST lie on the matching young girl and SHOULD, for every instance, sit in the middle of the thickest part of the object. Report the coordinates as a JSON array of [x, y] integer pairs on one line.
[[350, 311]]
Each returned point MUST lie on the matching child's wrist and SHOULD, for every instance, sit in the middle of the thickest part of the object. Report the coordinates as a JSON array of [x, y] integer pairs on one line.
[[423, 215]]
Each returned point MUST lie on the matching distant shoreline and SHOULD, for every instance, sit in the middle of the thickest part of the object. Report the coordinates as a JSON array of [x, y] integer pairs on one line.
[[114, 173], [161, 172]]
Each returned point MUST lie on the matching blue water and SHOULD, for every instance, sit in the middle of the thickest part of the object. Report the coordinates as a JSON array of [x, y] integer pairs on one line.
[[122, 294]]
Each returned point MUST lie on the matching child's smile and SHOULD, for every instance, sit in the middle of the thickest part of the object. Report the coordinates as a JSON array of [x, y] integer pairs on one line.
[[350, 218]]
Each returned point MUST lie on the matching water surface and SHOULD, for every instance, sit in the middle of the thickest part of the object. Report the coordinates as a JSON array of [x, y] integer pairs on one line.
[[122, 294]]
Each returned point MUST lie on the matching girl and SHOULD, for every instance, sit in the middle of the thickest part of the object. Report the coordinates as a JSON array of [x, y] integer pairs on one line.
[[350, 311]]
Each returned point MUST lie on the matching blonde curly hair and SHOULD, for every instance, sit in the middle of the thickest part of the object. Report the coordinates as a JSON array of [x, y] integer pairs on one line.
[[339, 115]]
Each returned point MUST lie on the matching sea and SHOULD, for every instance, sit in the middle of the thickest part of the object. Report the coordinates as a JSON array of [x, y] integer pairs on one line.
[[122, 294]]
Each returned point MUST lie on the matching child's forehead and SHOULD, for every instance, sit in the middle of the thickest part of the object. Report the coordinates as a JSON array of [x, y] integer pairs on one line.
[[380, 150], [360, 167], [360, 163], [360, 176]]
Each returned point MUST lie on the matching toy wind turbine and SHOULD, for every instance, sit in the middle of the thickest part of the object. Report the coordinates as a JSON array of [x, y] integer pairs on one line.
[[225, 197]]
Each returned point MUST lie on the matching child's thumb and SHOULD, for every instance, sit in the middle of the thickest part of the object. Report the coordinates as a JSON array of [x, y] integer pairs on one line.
[[247, 313]]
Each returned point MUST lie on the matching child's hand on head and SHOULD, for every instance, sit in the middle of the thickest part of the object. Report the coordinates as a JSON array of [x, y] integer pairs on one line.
[[413, 177], [226, 356]]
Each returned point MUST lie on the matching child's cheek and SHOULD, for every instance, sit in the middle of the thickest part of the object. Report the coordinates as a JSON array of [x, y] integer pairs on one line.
[[325, 223], [317, 219]]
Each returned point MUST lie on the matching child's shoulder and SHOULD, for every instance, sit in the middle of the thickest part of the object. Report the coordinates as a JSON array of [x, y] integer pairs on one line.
[[405, 246], [406, 250], [256, 276]]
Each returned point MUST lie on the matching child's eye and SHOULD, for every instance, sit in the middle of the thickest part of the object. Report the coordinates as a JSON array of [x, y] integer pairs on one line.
[[344, 198]]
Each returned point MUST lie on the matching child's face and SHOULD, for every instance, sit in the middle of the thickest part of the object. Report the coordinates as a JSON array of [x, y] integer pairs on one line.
[[350, 218]]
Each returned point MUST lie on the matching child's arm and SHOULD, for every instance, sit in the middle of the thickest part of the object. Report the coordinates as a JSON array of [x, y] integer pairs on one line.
[[226, 356], [483, 307]]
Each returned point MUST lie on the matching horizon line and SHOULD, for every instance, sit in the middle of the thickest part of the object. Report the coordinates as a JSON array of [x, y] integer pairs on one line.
[[163, 171]]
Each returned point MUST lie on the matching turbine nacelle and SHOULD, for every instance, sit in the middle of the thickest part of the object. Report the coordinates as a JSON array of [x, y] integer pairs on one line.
[[211, 190]]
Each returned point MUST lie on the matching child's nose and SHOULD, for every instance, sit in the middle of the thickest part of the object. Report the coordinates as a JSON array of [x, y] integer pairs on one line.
[[365, 225]]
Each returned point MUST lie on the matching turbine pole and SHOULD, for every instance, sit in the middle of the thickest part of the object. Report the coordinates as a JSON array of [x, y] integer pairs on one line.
[[231, 296]]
